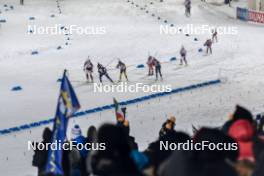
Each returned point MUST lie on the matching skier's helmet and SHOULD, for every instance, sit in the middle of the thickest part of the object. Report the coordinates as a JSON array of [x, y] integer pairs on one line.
[[150, 58]]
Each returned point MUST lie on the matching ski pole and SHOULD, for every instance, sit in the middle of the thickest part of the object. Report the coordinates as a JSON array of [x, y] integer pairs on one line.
[[110, 62]]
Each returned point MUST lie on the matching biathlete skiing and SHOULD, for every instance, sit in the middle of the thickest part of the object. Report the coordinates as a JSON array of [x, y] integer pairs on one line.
[[88, 69], [157, 65], [122, 68], [103, 72], [183, 54], [150, 66]]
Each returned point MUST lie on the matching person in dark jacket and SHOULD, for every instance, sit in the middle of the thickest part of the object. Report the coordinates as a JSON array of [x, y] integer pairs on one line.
[[115, 160], [259, 169], [66, 166], [167, 126], [183, 54], [157, 153], [227, 125], [91, 134], [214, 36], [103, 72], [186, 163], [131, 140], [40, 156], [157, 65], [216, 136], [260, 124], [187, 5], [202, 162]]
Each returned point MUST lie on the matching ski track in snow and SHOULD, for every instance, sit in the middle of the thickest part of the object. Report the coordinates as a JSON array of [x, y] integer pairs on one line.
[[131, 34]]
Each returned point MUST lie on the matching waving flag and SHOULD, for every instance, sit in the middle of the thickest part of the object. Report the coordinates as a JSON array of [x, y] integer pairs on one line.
[[67, 105], [120, 115]]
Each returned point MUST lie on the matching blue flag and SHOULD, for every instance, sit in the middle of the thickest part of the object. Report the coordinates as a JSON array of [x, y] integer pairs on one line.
[[68, 104]]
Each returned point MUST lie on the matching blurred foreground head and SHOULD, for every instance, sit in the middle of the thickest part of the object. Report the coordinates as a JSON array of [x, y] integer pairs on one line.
[[115, 139], [47, 134], [201, 162], [91, 134], [215, 137], [115, 159]]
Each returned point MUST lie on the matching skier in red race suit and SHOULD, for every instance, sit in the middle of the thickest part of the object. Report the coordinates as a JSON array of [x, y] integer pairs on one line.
[[150, 66]]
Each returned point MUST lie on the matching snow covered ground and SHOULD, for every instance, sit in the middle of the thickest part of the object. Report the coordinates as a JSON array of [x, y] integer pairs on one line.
[[131, 34]]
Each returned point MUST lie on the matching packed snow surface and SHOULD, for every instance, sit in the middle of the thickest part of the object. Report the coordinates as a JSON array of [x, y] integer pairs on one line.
[[130, 34]]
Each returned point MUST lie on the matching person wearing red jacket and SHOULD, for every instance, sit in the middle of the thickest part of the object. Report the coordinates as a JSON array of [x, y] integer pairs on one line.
[[242, 131], [150, 65]]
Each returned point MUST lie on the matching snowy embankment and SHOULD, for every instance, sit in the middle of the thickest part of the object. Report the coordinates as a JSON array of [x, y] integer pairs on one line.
[[131, 34]]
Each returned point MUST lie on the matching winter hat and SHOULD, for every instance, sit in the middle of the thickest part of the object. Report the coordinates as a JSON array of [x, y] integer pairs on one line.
[[76, 131], [242, 113], [242, 131]]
